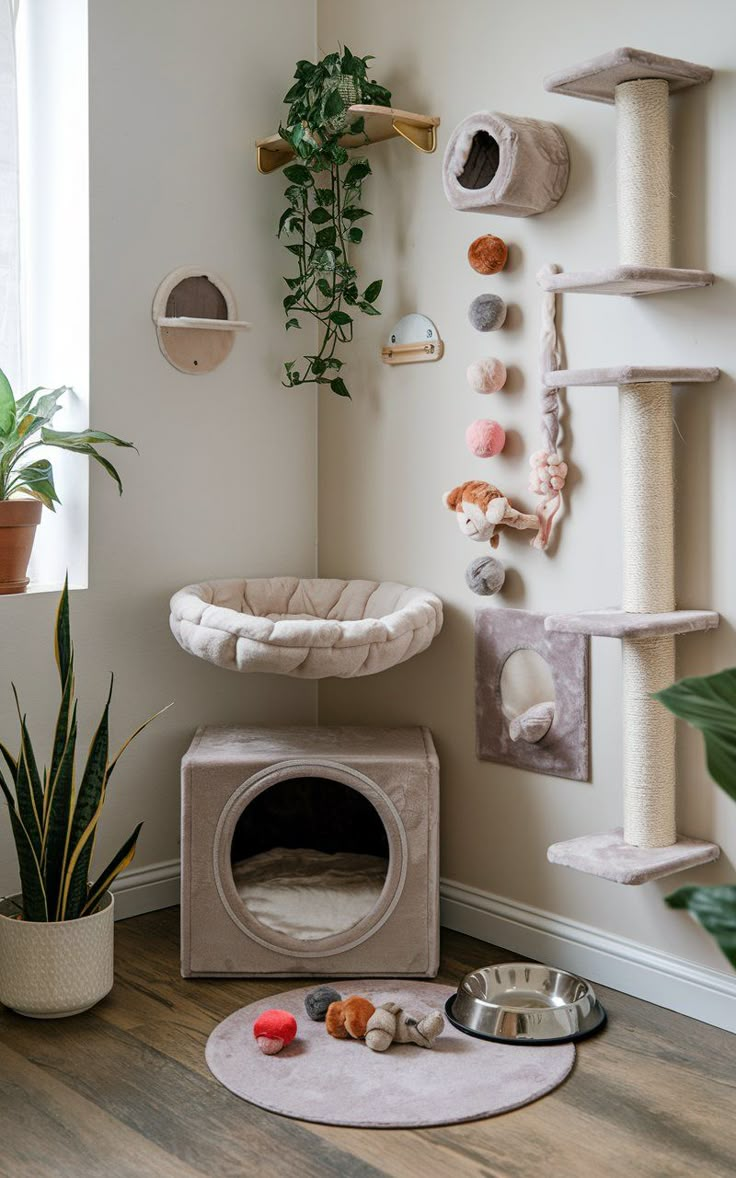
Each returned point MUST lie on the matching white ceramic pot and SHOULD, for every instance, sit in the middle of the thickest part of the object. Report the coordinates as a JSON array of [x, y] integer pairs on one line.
[[57, 969]]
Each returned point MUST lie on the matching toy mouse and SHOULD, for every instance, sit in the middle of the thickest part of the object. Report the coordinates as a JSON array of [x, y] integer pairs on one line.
[[389, 1024], [348, 1019], [481, 508]]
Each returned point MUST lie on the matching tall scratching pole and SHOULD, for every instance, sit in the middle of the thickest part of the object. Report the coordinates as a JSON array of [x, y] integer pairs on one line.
[[643, 187]]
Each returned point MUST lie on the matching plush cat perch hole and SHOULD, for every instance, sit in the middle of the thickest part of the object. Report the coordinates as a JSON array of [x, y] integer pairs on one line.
[[497, 163], [282, 832], [308, 628], [648, 846]]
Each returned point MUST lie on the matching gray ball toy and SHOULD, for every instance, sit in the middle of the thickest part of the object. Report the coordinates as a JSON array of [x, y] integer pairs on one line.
[[485, 576], [317, 1001], [487, 312]]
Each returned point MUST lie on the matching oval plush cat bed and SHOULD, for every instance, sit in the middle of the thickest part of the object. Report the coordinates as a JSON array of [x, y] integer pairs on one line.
[[505, 164], [310, 628]]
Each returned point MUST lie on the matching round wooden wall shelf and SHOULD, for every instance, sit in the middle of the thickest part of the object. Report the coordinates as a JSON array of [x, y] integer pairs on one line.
[[196, 319]]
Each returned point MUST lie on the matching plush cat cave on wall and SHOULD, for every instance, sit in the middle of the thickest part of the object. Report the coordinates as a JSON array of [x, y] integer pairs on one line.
[[513, 166]]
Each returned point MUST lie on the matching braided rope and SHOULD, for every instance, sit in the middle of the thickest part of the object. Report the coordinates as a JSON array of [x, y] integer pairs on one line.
[[548, 471]]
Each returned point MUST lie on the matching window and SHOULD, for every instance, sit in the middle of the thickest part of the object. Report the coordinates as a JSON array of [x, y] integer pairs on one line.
[[52, 78]]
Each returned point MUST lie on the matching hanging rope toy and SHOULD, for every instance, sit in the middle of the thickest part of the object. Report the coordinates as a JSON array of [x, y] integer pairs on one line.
[[548, 471]]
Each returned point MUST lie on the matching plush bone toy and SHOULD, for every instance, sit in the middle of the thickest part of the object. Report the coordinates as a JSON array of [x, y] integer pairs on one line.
[[348, 1019], [481, 508], [390, 1024]]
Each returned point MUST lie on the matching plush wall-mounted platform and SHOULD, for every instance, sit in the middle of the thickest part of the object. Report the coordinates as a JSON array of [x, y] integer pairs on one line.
[[563, 749], [309, 628], [505, 164]]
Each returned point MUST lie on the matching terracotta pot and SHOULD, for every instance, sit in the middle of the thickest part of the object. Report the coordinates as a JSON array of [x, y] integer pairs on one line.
[[19, 519], [57, 969]]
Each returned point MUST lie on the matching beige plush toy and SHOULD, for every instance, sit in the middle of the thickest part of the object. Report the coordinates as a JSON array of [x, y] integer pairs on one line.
[[389, 1024], [480, 509]]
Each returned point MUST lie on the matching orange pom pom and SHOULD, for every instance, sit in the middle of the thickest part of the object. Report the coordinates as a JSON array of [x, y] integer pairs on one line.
[[488, 254]]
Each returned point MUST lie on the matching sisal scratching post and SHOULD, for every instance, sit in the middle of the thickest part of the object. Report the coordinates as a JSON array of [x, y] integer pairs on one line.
[[643, 190]]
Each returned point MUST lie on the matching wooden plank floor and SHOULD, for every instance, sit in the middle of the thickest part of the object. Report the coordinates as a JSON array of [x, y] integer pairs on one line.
[[124, 1090]]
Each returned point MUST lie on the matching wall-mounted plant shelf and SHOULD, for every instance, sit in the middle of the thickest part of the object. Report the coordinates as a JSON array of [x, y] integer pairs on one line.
[[381, 122], [631, 281]]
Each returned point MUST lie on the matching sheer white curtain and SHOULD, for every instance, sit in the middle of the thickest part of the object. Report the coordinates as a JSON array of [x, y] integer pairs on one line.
[[10, 340]]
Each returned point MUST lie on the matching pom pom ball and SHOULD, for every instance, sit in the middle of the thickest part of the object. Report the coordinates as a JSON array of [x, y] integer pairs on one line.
[[273, 1030], [317, 1001], [485, 438], [485, 576], [488, 254], [487, 376], [487, 312]]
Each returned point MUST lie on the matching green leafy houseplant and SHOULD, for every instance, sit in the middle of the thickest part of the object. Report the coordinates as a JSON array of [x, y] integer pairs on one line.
[[24, 427], [54, 820], [323, 210], [708, 703]]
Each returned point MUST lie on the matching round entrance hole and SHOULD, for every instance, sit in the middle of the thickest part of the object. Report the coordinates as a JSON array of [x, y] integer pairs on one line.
[[309, 857], [482, 162]]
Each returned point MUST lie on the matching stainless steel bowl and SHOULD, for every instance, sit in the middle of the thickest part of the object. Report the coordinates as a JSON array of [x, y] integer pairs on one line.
[[519, 1002]]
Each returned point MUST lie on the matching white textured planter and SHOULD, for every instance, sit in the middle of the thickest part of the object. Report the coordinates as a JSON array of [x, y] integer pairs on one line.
[[57, 969]]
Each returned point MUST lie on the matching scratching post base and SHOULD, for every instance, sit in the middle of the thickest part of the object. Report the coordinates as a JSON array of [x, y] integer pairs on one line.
[[608, 856]]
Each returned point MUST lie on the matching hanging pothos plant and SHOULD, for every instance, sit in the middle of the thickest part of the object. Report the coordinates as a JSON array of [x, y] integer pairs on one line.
[[323, 211]]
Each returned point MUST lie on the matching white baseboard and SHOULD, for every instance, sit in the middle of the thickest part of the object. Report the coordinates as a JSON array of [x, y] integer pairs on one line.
[[672, 982], [613, 961], [146, 889]]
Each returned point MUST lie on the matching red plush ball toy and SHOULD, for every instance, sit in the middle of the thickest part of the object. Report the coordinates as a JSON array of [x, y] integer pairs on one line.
[[273, 1030]]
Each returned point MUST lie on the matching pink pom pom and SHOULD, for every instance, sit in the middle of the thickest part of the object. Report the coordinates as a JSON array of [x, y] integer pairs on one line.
[[485, 438], [273, 1030]]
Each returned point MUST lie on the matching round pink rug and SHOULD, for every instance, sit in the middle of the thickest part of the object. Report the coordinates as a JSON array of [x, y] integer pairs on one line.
[[343, 1082]]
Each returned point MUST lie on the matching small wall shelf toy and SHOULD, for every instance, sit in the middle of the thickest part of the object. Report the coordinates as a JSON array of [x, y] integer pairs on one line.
[[413, 340], [505, 164], [196, 319], [648, 846], [381, 122]]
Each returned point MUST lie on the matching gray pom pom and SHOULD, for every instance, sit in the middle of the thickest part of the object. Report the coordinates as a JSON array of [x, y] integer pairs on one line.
[[485, 575], [317, 1001], [487, 312]]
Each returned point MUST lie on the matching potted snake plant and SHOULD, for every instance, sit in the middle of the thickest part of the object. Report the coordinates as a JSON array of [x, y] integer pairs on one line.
[[27, 482], [56, 935]]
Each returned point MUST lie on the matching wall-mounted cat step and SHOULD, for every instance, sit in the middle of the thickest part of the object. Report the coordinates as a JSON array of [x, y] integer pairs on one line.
[[633, 281]]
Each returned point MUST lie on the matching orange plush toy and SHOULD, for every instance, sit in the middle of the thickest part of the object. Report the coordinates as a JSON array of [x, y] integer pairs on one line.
[[349, 1019]]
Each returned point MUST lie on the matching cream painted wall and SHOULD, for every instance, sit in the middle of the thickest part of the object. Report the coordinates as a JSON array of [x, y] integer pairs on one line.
[[387, 457], [225, 481]]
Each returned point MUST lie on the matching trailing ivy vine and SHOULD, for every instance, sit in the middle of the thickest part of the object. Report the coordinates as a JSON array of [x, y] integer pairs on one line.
[[323, 212]]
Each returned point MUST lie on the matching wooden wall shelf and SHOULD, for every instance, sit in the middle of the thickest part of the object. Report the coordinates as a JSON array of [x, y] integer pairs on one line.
[[381, 122]]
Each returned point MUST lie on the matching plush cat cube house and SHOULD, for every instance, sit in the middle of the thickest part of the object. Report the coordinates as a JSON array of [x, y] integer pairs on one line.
[[281, 809]]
